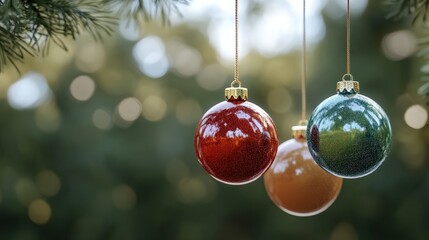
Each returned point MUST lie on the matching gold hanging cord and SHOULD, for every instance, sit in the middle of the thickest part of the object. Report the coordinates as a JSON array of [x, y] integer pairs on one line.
[[348, 76], [348, 85], [236, 74], [236, 92], [304, 65], [299, 131], [348, 37]]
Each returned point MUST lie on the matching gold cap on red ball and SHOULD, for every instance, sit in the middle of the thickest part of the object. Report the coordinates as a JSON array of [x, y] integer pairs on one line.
[[236, 93], [348, 85], [299, 132]]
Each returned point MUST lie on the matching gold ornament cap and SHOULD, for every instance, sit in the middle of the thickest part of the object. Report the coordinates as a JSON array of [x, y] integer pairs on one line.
[[236, 92], [348, 85], [299, 131]]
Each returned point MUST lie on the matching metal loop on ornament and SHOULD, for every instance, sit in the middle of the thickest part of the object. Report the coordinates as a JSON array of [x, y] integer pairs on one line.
[[236, 84], [298, 132], [348, 77], [303, 122]]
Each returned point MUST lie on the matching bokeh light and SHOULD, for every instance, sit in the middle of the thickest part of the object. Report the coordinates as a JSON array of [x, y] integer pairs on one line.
[[129, 109], [48, 183], [90, 57], [185, 61], [154, 108], [284, 19], [150, 55], [102, 119], [39, 212], [30, 91], [399, 45], [82, 88], [416, 116]]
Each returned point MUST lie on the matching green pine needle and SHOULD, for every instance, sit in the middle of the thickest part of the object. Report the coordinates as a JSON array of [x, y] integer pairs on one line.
[[29, 27], [419, 10]]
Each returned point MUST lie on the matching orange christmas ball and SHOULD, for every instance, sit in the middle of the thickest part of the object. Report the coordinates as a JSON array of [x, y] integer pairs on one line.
[[296, 184]]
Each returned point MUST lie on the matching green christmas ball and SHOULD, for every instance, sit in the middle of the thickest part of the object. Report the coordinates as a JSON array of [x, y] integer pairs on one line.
[[349, 135]]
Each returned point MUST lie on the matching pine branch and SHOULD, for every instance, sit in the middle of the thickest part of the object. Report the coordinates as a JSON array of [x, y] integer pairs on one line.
[[29, 26], [419, 10], [148, 9], [400, 8], [32, 26]]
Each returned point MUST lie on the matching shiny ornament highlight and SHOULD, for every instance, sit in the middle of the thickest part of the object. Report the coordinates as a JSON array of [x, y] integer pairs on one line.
[[296, 184], [236, 141], [349, 135]]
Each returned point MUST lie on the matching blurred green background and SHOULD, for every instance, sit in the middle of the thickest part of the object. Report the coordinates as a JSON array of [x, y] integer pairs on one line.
[[97, 142]]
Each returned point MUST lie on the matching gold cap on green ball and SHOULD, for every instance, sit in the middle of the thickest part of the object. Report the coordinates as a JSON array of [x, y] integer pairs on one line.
[[299, 132], [236, 93], [348, 85]]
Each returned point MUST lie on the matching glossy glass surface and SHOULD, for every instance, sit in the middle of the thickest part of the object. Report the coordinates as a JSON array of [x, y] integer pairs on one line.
[[236, 142], [349, 135], [296, 184]]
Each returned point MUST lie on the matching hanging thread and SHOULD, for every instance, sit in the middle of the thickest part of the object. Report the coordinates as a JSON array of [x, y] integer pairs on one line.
[[348, 38], [236, 91], [304, 65], [348, 76], [236, 74]]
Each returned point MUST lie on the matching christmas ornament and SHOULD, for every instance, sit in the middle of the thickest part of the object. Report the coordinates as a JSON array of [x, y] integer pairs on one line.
[[349, 135], [294, 182], [236, 141]]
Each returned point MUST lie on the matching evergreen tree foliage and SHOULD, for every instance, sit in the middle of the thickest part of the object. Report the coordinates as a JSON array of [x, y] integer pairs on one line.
[[418, 9], [31, 26]]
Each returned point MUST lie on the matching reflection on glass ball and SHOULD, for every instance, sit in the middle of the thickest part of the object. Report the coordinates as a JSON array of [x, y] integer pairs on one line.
[[349, 135], [236, 142], [296, 184]]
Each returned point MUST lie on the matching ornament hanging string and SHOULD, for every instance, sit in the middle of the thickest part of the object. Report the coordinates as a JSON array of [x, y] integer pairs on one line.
[[236, 73], [348, 37], [348, 76], [236, 91], [304, 65]]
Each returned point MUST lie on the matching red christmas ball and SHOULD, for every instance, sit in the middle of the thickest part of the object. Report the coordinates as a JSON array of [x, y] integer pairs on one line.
[[236, 142], [296, 184]]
